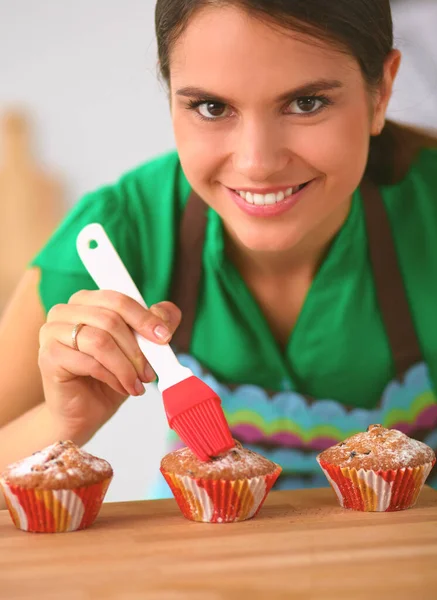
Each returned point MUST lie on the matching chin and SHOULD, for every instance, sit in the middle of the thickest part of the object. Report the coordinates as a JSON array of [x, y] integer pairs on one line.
[[262, 243]]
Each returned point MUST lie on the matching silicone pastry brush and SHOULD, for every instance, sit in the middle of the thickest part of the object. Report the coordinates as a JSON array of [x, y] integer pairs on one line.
[[193, 409]]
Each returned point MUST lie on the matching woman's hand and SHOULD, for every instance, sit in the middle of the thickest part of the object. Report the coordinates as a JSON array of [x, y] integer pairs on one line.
[[83, 388]]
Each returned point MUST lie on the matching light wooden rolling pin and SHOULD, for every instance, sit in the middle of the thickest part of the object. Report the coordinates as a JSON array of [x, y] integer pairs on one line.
[[30, 202]]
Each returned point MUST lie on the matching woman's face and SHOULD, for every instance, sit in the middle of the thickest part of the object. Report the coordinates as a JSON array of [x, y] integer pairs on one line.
[[272, 127]]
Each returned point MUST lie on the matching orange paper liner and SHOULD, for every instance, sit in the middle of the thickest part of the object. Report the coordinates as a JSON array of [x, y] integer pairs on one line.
[[54, 511], [220, 501], [376, 491]]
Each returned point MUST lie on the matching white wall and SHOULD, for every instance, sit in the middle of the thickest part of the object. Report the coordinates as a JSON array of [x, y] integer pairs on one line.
[[415, 96], [85, 69]]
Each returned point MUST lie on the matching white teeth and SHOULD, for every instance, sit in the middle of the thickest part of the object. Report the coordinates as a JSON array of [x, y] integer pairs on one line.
[[270, 199], [267, 199]]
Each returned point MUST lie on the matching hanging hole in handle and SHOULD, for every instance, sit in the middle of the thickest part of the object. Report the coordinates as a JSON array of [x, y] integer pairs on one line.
[[92, 244]]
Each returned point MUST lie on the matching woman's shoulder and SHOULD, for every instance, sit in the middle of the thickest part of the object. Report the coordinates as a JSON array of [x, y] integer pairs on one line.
[[411, 205], [424, 168], [414, 197], [158, 166], [156, 188], [160, 177], [139, 213]]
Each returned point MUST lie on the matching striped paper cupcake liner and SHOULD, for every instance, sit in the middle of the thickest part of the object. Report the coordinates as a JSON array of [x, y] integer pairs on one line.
[[220, 501], [54, 511], [376, 491]]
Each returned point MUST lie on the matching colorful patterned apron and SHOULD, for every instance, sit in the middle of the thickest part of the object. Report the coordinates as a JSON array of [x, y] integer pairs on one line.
[[287, 427]]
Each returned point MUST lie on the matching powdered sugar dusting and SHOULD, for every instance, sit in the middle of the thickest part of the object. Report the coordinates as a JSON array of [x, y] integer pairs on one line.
[[234, 464], [239, 458], [61, 462], [379, 448], [27, 465]]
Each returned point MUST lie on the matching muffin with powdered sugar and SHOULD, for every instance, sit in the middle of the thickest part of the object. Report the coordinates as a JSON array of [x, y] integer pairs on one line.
[[229, 488], [60, 488], [377, 470]]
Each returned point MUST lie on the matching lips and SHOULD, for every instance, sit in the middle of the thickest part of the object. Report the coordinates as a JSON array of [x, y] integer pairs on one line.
[[269, 204]]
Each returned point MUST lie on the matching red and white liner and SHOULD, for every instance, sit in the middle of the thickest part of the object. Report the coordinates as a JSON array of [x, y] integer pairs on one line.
[[376, 491]]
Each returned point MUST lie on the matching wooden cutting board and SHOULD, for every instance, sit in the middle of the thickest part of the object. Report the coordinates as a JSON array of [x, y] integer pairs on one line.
[[302, 545], [31, 202]]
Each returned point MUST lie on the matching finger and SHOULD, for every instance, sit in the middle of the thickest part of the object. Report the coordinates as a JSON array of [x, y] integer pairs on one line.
[[169, 313], [102, 347], [57, 360], [140, 319], [107, 320]]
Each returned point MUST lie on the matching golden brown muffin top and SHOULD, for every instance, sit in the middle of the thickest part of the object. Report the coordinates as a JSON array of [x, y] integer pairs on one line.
[[238, 463], [378, 449], [61, 466]]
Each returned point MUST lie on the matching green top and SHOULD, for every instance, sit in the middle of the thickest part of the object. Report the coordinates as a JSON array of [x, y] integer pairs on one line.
[[338, 348]]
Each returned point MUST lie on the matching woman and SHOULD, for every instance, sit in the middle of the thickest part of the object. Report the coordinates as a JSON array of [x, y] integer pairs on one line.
[[306, 288]]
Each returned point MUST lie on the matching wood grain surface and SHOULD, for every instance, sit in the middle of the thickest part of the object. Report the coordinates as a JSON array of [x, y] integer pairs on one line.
[[302, 545]]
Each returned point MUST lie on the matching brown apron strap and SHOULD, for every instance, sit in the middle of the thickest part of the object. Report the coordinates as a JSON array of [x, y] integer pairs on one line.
[[188, 268], [390, 289], [389, 284]]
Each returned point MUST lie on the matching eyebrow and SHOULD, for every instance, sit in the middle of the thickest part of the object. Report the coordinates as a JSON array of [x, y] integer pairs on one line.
[[307, 89]]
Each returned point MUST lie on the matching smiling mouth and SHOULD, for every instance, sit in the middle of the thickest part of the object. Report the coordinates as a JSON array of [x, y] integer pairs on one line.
[[271, 198]]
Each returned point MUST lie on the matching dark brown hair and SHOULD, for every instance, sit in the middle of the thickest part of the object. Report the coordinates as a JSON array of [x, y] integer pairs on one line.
[[363, 28]]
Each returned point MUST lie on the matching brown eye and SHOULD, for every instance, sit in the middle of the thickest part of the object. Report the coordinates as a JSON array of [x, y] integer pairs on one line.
[[213, 110], [306, 105]]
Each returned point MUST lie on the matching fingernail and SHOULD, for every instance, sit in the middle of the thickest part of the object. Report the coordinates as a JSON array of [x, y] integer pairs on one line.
[[149, 373], [139, 388], [162, 333]]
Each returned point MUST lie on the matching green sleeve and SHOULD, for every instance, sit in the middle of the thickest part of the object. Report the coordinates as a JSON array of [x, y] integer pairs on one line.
[[140, 214]]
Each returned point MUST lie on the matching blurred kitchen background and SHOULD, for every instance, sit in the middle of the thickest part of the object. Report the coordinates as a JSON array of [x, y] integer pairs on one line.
[[80, 103]]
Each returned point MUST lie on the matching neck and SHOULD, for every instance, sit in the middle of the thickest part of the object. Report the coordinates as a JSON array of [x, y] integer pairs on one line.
[[305, 257]]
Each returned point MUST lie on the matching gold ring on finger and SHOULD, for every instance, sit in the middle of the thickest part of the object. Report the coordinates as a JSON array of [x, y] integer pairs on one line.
[[74, 335]]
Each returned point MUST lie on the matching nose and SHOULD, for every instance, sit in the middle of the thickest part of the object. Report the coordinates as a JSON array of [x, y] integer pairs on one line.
[[259, 152]]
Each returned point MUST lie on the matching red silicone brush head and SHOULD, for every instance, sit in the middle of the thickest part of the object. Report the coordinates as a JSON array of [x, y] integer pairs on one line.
[[194, 411]]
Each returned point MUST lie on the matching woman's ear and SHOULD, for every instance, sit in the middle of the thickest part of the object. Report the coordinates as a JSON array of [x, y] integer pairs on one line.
[[385, 90]]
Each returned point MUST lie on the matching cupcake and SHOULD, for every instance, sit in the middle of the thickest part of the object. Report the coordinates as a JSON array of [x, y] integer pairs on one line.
[[231, 487], [380, 470], [58, 489]]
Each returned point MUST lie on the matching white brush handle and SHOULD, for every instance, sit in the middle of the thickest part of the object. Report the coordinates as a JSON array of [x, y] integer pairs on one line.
[[109, 273]]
